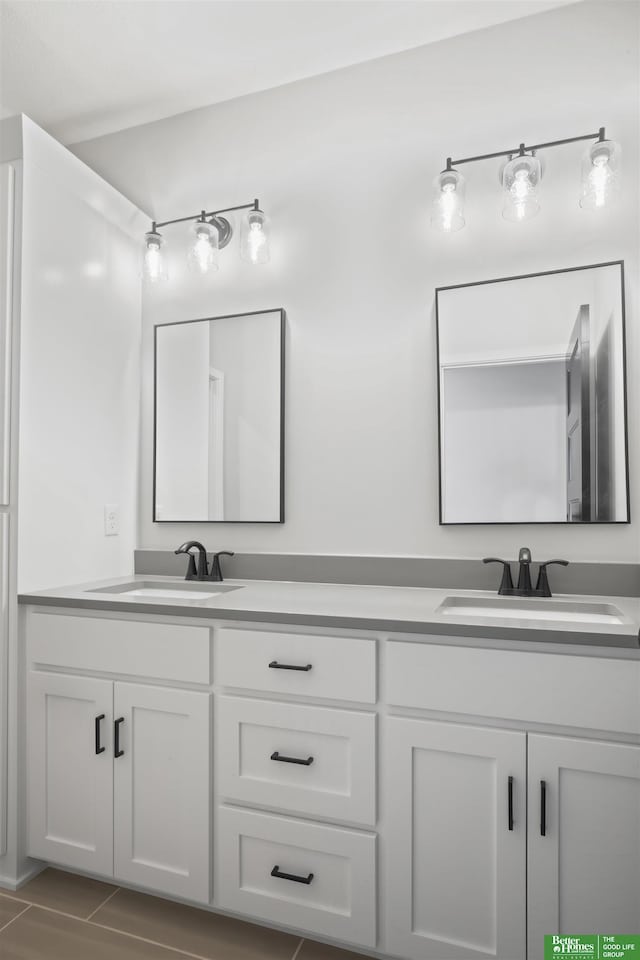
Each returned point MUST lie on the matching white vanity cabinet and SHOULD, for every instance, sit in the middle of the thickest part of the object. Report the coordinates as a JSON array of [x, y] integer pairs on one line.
[[493, 831], [425, 798], [118, 772]]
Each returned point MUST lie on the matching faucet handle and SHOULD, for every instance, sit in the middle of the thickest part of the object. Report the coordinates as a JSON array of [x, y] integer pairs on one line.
[[216, 572], [543, 580], [506, 583]]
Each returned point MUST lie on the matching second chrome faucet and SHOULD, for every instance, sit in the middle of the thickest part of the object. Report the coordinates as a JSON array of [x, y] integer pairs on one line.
[[524, 587], [202, 571]]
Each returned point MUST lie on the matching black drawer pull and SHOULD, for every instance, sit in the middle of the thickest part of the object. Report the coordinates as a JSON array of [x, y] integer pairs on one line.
[[274, 665], [543, 808], [99, 747], [117, 752], [305, 763], [510, 803], [276, 872]]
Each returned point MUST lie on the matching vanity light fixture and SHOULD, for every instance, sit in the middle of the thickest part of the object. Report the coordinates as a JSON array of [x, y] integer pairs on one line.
[[520, 177], [211, 233]]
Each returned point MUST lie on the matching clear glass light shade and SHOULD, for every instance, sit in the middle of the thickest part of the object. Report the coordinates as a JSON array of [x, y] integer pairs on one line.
[[600, 174], [154, 262], [520, 179], [203, 252], [254, 237], [447, 208]]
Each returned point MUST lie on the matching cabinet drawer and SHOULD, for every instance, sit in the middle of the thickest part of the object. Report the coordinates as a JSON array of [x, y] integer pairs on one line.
[[335, 668], [339, 899], [574, 691], [159, 651], [259, 739]]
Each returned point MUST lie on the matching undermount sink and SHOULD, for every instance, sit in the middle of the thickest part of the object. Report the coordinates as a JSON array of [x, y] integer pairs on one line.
[[191, 591], [522, 608]]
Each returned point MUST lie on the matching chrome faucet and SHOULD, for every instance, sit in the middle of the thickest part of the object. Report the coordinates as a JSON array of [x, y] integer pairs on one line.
[[202, 572], [524, 587]]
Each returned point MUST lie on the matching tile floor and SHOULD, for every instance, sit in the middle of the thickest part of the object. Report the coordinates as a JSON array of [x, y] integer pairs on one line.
[[60, 916]]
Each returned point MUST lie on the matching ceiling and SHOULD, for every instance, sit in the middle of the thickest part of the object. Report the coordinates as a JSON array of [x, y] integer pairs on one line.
[[84, 68]]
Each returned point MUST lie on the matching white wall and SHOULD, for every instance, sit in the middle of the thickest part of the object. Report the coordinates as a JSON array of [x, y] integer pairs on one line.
[[504, 443], [343, 163], [512, 321], [183, 422], [247, 351], [79, 371]]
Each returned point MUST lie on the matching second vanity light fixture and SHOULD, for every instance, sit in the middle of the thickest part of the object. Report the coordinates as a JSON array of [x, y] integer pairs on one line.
[[520, 177], [211, 232]]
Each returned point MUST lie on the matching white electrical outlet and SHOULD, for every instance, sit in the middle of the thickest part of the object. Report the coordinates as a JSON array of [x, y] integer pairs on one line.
[[111, 520]]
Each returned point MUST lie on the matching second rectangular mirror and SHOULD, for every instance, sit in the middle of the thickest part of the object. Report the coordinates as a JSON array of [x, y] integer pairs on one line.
[[532, 399], [219, 419]]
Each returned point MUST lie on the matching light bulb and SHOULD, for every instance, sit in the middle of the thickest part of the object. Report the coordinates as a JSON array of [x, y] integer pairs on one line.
[[447, 208], [154, 266], [254, 240], [600, 174], [520, 179], [203, 253]]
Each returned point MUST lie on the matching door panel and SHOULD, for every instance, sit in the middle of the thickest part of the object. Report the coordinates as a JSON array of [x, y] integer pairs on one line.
[[584, 873], [448, 801], [7, 228], [162, 790], [70, 785], [579, 420]]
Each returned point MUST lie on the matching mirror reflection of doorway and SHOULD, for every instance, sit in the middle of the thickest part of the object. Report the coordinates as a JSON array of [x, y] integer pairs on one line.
[[579, 420], [216, 444]]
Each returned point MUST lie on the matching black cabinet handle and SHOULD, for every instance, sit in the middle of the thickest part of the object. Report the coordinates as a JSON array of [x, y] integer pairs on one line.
[[543, 808], [274, 665], [117, 752], [305, 763], [99, 747], [276, 872], [510, 803]]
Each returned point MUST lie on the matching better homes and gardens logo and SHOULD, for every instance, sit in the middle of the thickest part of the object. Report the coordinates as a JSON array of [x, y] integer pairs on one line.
[[601, 947]]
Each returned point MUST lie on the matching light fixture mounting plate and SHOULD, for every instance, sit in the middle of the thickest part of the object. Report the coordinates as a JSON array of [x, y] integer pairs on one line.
[[224, 228]]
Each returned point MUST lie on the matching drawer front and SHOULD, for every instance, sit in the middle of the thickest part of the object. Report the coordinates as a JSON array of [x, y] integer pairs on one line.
[[574, 691], [337, 901], [334, 776], [156, 650], [333, 668]]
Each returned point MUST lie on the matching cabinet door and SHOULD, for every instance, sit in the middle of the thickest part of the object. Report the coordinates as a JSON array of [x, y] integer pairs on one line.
[[162, 789], [70, 771], [456, 841], [584, 852]]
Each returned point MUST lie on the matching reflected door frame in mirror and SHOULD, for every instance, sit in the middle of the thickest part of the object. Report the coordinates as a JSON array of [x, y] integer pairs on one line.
[[215, 381], [456, 356]]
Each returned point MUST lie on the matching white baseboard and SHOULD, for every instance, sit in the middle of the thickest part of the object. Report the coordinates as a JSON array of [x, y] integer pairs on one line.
[[14, 883]]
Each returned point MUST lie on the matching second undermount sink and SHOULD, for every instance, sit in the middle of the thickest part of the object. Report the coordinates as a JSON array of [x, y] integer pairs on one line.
[[190, 591], [522, 608]]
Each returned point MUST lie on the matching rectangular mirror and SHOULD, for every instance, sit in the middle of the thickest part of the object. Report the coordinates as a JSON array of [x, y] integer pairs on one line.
[[532, 398], [219, 419]]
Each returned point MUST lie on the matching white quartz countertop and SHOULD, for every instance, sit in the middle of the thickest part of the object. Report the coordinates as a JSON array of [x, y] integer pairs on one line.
[[378, 608]]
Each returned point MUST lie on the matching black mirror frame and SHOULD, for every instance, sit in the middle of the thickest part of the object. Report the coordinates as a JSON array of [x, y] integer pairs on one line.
[[227, 316], [515, 523]]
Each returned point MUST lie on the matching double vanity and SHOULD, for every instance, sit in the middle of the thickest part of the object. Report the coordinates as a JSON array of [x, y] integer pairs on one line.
[[415, 773]]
